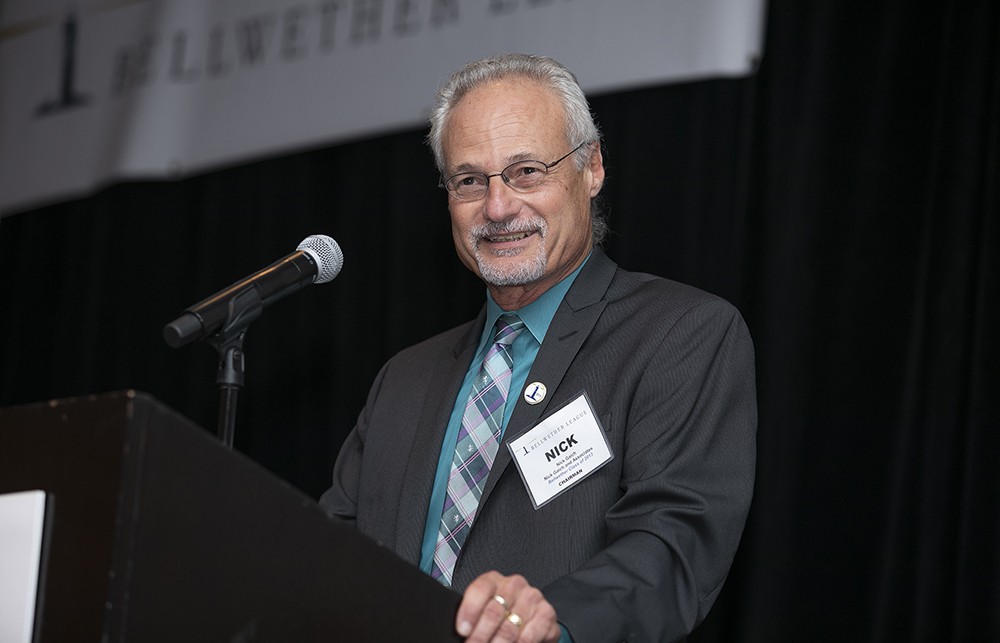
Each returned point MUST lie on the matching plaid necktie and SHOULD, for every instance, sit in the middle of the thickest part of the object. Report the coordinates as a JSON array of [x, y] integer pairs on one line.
[[478, 442]]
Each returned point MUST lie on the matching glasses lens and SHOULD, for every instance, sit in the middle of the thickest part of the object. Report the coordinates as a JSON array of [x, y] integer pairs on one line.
[[467, 186], [525, 175]]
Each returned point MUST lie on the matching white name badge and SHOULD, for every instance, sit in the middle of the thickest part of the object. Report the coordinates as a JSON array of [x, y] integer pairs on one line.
[[560, 451]]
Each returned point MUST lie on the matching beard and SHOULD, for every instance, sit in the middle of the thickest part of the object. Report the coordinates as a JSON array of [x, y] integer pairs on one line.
[[509, 273]]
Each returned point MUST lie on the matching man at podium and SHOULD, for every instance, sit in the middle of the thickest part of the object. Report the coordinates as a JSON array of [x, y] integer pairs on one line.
[[579, 459]]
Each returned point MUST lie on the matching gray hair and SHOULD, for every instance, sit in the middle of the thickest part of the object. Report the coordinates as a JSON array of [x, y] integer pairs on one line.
[[580, 126]]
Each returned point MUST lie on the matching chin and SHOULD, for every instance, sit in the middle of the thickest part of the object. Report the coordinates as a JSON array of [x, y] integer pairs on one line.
[[506, 273]]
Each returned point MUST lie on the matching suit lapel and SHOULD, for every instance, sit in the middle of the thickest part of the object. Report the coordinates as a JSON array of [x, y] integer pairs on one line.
[[572, 324], [447, 376]]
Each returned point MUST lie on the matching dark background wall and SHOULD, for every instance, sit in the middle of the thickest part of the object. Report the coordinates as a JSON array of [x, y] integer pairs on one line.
[[845, 198]]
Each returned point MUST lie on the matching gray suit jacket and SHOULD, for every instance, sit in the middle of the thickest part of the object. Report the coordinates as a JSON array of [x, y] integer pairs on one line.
[[639, 550]]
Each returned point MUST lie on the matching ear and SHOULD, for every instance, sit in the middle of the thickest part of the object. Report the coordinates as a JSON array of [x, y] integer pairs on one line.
[[595, 171]]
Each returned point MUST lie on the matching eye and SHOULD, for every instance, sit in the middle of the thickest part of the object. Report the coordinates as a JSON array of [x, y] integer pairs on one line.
[[525, 174], [469, 181]]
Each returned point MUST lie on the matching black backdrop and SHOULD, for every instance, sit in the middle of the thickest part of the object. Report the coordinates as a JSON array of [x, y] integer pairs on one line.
[[845, 198]]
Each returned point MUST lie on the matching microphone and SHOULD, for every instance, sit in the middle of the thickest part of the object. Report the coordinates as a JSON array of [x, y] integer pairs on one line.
[[318, 259]]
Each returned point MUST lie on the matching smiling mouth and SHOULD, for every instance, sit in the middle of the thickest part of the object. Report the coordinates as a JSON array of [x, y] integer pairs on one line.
[[506, 238]]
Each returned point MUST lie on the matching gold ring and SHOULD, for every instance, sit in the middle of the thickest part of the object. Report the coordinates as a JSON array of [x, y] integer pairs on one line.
[[515, 620], [498, 598]]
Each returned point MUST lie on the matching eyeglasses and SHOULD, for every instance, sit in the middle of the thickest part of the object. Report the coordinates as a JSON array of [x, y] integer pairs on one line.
[[522, 176]]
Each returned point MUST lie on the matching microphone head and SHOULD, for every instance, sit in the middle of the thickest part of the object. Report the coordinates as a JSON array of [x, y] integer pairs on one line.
[[326, 253]]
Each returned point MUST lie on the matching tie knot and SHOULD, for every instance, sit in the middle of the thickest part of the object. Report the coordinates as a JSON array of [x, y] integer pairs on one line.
[[508, 328]]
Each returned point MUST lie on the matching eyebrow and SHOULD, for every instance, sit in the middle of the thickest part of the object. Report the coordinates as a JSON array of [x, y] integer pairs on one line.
[[510, 160]]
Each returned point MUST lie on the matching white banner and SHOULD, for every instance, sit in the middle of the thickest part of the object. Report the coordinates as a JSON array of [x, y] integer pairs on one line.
[[96, 91]]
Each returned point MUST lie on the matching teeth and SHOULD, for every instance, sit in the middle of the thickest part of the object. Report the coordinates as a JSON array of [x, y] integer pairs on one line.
[[510, 237]]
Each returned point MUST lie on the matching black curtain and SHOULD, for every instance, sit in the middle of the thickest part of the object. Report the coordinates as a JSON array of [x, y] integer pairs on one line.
[[845, 198]]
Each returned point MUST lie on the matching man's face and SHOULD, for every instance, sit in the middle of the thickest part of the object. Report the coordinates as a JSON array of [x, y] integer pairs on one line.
[[519, 243]]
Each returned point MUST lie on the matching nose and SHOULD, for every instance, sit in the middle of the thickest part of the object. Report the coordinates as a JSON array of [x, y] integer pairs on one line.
[[501, 202]]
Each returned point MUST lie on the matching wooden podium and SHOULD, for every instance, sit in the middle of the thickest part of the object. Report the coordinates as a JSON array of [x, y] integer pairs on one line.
[[155, 532]]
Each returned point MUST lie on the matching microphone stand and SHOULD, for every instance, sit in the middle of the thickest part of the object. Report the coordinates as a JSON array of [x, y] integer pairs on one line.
[[244, 307]]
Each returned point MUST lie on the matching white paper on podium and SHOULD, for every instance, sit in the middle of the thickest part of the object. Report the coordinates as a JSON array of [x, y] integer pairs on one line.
[[22, 516]]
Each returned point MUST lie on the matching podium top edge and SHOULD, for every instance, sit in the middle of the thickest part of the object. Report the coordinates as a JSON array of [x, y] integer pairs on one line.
[[126, 395]]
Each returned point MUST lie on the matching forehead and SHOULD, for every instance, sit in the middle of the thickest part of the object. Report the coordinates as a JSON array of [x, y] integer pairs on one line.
[[504, 121]]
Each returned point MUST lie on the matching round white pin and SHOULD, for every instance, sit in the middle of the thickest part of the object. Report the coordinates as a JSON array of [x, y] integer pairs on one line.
[[534, 393]]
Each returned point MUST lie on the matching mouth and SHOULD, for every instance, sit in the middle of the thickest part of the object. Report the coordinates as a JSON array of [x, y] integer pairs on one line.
[[510, 237]]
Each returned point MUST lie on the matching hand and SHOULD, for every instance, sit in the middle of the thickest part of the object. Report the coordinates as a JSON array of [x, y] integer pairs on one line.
[[499, 608]]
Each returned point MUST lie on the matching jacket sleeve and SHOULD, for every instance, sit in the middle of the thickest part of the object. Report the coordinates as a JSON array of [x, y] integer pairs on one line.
[[340, 501]]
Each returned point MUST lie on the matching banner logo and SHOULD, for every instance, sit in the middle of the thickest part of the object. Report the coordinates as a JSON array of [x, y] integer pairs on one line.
[[69, 97]]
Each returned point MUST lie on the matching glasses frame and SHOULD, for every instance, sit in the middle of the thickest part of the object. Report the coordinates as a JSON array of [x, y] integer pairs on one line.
[[443, 183]]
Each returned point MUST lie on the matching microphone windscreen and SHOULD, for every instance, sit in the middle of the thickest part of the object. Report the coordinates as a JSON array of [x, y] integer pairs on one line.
[[326, 253]]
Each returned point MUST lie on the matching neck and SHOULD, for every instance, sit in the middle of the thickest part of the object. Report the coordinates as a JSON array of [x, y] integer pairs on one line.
[[517, 297]]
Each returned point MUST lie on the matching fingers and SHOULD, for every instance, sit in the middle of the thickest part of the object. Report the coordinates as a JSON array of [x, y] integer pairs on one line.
[[538, 616], [476, 603], [503, 609]]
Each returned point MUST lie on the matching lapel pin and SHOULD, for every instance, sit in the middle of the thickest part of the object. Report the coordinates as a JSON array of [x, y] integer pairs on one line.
[[534, 393]]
